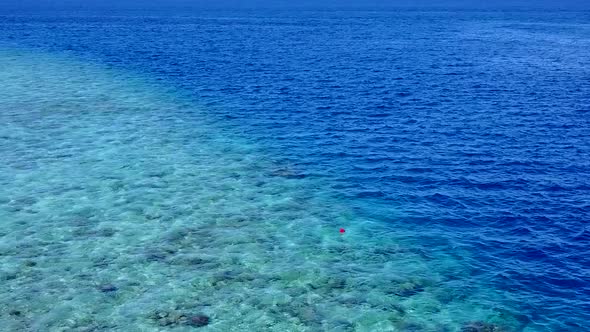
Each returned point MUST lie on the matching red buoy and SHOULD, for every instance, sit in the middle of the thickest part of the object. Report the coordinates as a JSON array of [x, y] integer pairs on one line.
[[342, 230]]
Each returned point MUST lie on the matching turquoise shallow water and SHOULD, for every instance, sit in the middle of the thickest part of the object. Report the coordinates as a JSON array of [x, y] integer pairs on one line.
[[125, 207]]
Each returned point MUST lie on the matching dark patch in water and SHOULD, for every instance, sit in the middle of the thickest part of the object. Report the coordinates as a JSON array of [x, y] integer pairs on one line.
[[108, 288], [481, 327], [15, 312], [174, 318], [287, 173], [198, 320]]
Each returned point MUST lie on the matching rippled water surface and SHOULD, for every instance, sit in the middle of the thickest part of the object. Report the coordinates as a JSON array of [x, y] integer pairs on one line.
[[181, 171]]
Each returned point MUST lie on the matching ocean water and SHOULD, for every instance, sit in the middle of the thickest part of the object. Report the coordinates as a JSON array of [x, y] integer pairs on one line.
[[160, 168]]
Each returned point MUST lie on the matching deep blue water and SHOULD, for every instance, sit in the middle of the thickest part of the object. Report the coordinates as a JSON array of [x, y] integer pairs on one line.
[[469, 129]]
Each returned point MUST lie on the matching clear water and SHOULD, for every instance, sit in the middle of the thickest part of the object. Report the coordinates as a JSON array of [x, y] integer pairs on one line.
[[206, 164]]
